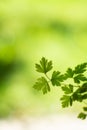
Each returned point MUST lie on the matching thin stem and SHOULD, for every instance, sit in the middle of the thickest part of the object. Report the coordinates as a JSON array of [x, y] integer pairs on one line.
[[47, 77]]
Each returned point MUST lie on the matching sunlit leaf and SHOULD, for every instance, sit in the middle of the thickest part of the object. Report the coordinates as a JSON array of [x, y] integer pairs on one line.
[[82, 115], [66, 101], [79, 78], [69, 73], [80, 68], [57, 78], [67, 89], [44, 66], [42, 84]]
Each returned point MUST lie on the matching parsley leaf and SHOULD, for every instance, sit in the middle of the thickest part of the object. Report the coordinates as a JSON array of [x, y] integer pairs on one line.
[[57, 78], [77, 96], [69, 73], [44, 66], [42, 84], [80, 68], [80, 77], [84, 96], [82, 115], [82, 89], [66, 101], [67, 89]]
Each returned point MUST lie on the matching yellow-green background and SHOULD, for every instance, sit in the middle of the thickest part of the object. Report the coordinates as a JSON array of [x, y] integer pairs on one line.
[[30, 29]]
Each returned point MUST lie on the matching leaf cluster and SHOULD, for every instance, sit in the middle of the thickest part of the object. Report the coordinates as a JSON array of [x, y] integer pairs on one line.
[[74, 91]]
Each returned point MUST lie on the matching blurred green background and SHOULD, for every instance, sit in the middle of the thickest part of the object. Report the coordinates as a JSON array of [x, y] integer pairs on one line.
[[30, 29]]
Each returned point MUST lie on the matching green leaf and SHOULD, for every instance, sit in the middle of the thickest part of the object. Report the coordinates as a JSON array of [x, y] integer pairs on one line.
[[57, 78], [79, 78], [44, 66], [80, 68], [82, 116], [84, 96], [69, 73], [68, 89], [42, 84], [66, 101], [77, 96], [82, 89]]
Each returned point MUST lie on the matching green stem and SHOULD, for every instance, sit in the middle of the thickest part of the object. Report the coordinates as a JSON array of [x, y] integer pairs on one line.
[[47, 77]]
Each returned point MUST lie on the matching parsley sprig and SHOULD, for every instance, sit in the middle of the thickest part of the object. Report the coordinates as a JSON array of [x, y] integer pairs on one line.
[[76, 91]]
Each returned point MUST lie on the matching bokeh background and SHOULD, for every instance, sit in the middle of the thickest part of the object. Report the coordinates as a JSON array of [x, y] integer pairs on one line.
[[30, 29]]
